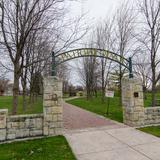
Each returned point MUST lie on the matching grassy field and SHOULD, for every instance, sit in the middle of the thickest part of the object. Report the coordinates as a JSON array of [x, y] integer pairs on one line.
[[53, 148], [93, 105], [6, 102], [154, 130], [148, 100]]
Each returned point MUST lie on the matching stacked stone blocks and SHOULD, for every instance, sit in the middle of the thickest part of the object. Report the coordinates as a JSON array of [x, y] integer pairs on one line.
[[47, 124], [134, 113], [152, 115], [3, 123], [52, 102], [24, 126], [132, 100]]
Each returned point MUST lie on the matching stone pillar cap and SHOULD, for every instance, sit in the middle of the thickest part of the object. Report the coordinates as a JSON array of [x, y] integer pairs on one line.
[[2, 111], [137, 80], [53, 77]]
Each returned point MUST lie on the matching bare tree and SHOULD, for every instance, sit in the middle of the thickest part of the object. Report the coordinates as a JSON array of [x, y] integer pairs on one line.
[[142, 70], [88, 74], [36, 51], [22, 19], [124, 27], [18, 20], [149, 37], [4, 71], [104, 40]]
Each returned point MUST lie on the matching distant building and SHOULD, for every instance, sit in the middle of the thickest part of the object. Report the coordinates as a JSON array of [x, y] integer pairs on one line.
[[80, 93], [1, 92], [9, 90]]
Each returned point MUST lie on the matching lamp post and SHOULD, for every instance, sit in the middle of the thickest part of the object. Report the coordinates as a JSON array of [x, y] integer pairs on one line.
[[130, 68], [53, 72]]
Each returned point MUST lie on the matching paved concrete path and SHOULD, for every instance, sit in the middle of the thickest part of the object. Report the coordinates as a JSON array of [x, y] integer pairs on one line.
[[109, 140]]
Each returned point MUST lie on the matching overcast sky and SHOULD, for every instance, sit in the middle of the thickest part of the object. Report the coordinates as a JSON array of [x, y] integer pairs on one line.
[[96, 10]]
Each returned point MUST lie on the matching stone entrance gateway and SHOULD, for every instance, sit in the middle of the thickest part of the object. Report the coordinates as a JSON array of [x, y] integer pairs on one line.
[[51, 121], [132, 94], [134, 113]]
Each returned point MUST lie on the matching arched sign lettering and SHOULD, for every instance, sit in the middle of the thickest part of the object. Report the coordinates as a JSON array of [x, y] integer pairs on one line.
[[90, 52]]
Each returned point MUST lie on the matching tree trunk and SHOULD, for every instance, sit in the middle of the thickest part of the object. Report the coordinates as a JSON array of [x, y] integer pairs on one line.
[[153, 76], [24, 99], [95, 93], [31, 92], [103, 83], [15, 93], [89, 96], [144, 91], [153, 94], [103, 94], [120, 84], [24, 86]]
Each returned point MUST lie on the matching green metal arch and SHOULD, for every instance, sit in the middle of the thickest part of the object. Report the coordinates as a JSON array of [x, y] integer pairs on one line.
[[90, 52]]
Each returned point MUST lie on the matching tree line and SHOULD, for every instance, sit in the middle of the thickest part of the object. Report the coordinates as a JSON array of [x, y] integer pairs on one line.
[[30, 30], [132, 31]]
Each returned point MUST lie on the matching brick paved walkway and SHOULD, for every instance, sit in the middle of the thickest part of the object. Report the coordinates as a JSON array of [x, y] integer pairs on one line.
[[77, 118]]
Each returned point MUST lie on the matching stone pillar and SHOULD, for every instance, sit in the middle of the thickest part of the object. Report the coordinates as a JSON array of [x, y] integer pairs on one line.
[[132, 101], [3, 124], [52, 106]]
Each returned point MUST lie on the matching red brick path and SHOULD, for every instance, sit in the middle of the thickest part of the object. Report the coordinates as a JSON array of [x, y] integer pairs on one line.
[[77, 118]]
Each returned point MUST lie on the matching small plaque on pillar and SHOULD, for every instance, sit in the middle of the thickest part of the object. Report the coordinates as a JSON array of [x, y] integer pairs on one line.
[[55, 98], [136, 94]]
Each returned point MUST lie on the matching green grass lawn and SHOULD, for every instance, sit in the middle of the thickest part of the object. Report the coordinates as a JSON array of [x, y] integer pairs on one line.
[[53, 148], [95, 105], [6, 103], [154, 130], [148, 99]]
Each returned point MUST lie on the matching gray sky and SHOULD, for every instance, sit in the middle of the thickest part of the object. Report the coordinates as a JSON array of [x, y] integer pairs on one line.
[[96, 10]]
